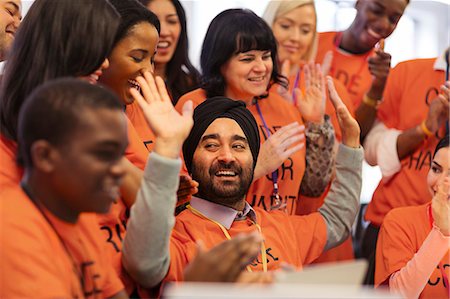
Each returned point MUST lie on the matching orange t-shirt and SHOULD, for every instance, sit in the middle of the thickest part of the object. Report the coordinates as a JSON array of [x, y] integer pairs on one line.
[[410, 87], [34, 262], [137, 118], [296, 240], [351, 70], [10, 172], [277, 113], [402, 234]]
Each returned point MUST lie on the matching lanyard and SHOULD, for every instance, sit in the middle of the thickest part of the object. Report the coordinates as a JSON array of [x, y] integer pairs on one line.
[[441, 266], [227, 235], [278, 204], [337, 43]]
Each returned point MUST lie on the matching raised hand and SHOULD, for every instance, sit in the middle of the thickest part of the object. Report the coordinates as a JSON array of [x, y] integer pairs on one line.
[[169, 127], [226, 261], [441, 206], [438, 112], [312, 103], [348, 125], [379, 67], [278, 147]]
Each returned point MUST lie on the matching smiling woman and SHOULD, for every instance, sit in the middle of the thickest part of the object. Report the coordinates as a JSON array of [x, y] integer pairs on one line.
[[172, 61]]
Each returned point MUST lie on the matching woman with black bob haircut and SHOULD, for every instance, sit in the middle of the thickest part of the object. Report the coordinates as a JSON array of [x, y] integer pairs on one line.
[[56, 39], [239, 61], [174, 66], [249, 33]]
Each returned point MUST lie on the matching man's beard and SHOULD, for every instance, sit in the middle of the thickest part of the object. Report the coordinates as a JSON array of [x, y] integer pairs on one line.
[[225, 193]]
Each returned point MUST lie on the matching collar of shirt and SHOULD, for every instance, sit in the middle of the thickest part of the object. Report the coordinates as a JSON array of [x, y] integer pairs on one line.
[[222, 214], [440, 64]]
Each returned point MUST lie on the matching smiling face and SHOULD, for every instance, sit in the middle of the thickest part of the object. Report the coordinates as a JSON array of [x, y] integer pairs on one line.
[[247, 74], [88, 169], [131, 57], [294, 32], [376, 19], [10, 16], [223, 163], [170, 29], [440, 168]]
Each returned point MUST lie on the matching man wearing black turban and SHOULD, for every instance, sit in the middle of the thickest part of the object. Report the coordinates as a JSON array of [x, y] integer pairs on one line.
[[221, 153]]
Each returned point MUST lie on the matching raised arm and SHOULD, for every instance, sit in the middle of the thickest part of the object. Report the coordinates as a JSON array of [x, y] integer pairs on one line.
[[342, 202], [319, 131], [146, 244]]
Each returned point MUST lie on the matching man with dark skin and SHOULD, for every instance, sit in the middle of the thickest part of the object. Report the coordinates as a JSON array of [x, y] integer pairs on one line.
[[375, 20]]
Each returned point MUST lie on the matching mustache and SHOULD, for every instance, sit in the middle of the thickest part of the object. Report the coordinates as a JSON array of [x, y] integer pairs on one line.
[[231, 166]]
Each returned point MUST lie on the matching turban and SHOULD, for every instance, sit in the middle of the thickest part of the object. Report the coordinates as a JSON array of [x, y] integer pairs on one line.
[[221, 107]]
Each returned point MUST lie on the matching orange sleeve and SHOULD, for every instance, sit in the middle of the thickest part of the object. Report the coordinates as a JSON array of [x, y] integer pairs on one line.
[[394, 247]]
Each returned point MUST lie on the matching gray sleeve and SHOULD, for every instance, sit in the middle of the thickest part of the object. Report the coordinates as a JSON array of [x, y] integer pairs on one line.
[[319, 158], [146, 255], [342, 202]]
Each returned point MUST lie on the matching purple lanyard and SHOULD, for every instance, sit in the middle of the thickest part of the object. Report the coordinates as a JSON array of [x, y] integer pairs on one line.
[[278, 205]]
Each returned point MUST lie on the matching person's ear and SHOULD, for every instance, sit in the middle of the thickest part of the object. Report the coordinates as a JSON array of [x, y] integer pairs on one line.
[[44, 155]]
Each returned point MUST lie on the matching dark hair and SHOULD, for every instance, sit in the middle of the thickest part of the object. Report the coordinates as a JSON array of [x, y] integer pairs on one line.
[[54, 109], [132, 13], [231, 32], [181, 75], [56, 39], [444, 142]]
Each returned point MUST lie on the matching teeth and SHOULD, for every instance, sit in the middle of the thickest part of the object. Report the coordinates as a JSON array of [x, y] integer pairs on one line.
[[225, 173], [257, 79], [135, 84], [373, 33], [163, 44]]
